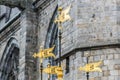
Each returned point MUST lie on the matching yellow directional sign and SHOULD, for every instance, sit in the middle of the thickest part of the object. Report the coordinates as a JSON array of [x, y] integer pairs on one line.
[[92, 67], [60, 76], [54, 70], [45, 53], [48, 52], [59, 72], [50, 70], [64, 16]]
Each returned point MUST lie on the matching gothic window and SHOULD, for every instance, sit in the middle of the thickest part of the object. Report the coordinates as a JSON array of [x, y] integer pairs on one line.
[[10, 61], [2, 13], [52, 38], [8, 12], [2, 16], [11, 76], [5, 14], [67, 64]]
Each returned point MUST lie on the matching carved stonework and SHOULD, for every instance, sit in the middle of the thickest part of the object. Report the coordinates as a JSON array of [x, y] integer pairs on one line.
[[8, 13], [10, 28], [14, 3], [10, 61]]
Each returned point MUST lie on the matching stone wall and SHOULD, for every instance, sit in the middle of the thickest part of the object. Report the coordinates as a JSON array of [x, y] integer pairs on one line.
[[7, 14], [94, 29], [110, 67], [23, 29], [20, 38], [44, 19], [45, 16], [91, 24]]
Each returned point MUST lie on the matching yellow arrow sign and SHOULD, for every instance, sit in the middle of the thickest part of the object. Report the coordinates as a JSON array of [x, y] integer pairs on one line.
[[45, 53], [92, 67], [59, 73], [64, 16], [50, 70], [54, 70]]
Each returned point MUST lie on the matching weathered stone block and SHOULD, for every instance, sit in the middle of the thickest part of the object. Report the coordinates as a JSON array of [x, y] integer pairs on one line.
[[114, 72], [110, 56], [106, 73], [117, 66]]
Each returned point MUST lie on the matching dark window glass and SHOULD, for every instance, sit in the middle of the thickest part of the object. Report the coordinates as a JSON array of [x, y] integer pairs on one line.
[[8, 12], [67, 65]]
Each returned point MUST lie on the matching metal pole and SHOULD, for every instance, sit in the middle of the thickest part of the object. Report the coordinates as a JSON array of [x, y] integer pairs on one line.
[[48, 76], [59, 35], [87, 73], [41, 69], [49, 73]]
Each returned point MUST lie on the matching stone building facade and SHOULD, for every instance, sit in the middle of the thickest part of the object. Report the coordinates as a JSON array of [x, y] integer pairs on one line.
[[94, 29]]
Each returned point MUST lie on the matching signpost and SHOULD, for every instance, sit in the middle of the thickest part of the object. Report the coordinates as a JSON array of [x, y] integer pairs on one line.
[[44, 53], [91, 67]]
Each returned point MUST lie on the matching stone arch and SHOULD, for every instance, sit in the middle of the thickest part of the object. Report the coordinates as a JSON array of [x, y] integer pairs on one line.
[[10, 61], [51, 37]]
